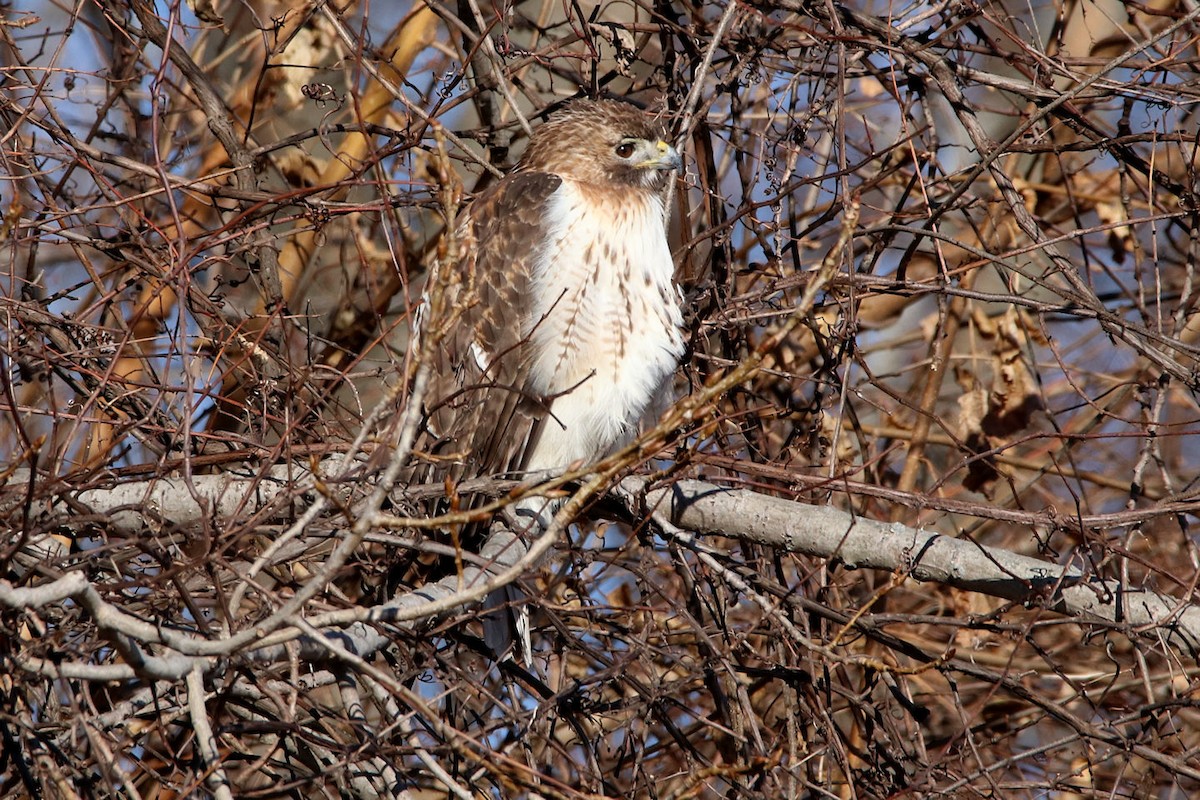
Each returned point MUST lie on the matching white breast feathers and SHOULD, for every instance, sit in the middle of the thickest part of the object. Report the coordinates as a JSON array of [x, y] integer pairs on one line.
[[605, 326]]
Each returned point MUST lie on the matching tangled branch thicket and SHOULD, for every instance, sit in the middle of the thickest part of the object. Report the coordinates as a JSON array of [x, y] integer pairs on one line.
[[217, 220]]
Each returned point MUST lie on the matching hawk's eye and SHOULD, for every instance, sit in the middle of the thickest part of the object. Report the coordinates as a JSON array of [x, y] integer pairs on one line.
[[625, 149]]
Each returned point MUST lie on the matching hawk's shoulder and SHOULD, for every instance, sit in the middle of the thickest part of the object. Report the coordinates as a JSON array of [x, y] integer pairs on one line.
[[513, 206]]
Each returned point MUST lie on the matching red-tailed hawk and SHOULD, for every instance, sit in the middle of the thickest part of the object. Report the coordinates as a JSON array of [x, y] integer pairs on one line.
[[563, 319], [569, 321]]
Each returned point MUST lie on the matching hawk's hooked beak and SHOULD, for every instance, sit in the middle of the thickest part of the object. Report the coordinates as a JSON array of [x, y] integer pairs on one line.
[[664, 156]]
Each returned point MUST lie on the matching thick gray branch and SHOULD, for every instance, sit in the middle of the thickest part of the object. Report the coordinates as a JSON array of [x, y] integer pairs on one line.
[[693, 505], [858, 542]]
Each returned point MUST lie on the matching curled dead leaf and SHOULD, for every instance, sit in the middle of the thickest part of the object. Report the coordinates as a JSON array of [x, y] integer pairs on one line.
[[989, 419]]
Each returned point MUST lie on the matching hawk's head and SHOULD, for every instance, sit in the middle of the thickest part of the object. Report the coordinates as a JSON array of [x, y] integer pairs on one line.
[[606, 143]]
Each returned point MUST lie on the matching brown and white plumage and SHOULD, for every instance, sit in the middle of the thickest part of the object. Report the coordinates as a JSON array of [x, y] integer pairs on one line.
[[568, 321]]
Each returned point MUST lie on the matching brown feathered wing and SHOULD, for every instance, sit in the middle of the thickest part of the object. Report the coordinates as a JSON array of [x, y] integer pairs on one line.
[[481, 415]]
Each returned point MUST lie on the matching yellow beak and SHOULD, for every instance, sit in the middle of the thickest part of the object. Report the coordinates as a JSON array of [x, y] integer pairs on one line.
[[664, 157]]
